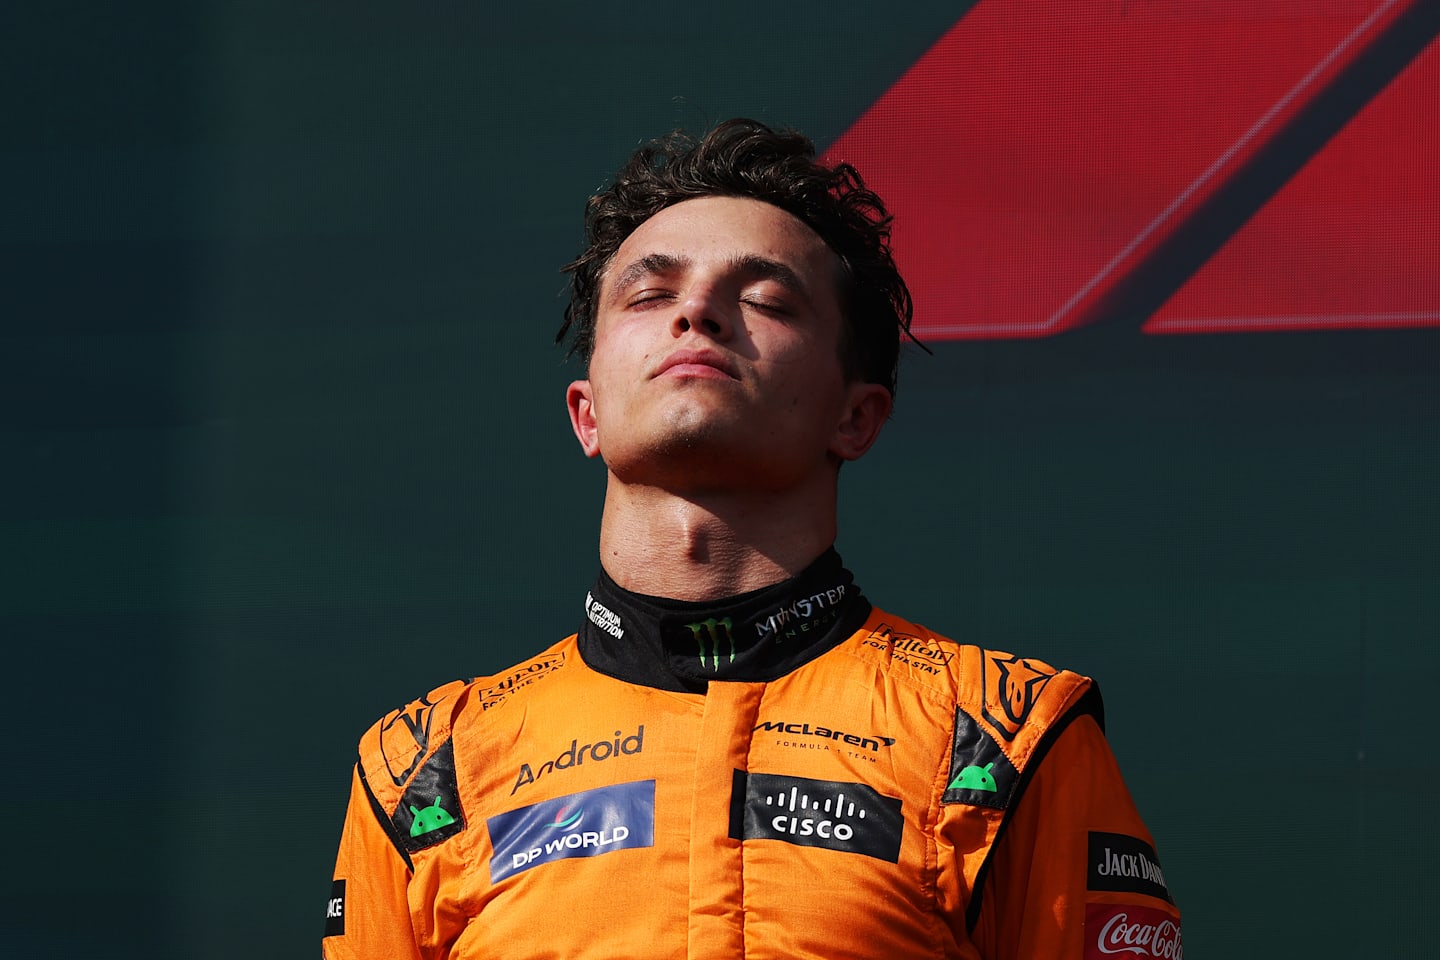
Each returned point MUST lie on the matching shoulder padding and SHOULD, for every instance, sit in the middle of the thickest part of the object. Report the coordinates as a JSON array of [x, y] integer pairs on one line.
[[399, 742], [410, 744], [1007, 710], [1006, 707]]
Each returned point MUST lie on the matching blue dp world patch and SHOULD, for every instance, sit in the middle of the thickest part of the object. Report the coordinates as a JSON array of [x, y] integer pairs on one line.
[[584, 824]]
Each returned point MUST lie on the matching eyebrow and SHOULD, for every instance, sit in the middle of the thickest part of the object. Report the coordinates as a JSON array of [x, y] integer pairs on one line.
[[750, 265], [763, 268], [652, 264]]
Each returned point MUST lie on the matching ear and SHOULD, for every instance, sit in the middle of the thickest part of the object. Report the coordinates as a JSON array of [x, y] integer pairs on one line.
[[581, 402], [867, 408]]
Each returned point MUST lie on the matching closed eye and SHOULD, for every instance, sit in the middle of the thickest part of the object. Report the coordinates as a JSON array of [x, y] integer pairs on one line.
[[769, 305], [645, 298]]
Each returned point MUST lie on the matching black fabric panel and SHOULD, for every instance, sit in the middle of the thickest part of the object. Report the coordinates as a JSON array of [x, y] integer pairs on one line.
[[384, 819], [1089, 705]]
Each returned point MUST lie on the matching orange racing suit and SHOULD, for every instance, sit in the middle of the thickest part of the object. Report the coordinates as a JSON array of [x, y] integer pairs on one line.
[[791, 773]]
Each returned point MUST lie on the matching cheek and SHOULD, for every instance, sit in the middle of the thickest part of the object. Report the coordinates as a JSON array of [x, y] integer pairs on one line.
[[623, 349]]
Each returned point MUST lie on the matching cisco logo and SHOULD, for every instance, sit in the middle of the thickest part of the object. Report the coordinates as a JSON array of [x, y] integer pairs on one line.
[[848, 817]]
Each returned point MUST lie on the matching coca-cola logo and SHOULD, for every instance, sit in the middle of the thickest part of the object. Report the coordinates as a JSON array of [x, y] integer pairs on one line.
[[1131, 931]]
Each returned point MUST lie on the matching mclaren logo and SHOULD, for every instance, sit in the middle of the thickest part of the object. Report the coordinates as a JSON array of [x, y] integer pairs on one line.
[[872, 744]]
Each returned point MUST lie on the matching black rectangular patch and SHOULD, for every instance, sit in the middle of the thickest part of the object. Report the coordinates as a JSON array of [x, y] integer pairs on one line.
[[849, 817], [980, 773], [429, 812], [335, 910], [1125, 864]]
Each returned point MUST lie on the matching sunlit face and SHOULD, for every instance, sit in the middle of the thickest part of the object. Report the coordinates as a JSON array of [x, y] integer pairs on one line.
[[716, 355]]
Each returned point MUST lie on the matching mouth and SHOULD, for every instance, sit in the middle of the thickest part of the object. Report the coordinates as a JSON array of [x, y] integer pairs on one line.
[[697, 364]]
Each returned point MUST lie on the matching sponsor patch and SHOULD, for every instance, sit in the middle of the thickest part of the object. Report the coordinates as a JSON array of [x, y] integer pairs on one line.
[[1125, 864], [429, 811], [801, 615], [918, 653], [1126, 930], [713, 638], [603, 617], [578, 753], [1012, 686], [335, 910], [865, 743], [848, 817], [521, 676], [980, 773], [585, 824]]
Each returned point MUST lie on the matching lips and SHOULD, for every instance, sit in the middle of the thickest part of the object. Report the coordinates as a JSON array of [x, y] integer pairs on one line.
[[697, 363]]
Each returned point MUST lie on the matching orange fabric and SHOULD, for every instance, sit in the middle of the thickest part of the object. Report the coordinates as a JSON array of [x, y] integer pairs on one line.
[[742, 859]]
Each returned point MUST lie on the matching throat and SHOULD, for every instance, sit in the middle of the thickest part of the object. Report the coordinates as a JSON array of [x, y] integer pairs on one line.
[[704, 548]]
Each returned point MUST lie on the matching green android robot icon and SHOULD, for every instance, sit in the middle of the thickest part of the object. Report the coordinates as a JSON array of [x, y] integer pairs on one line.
[[431, 818], [973, 778]]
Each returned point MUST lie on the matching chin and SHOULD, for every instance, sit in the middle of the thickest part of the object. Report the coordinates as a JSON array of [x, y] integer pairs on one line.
[[677, 458]]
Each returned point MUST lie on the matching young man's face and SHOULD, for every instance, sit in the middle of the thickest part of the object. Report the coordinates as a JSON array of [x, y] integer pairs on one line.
[[716, 360]]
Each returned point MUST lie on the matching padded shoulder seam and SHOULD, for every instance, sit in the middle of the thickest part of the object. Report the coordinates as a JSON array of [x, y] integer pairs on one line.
[[384, 820], [1088, 704]]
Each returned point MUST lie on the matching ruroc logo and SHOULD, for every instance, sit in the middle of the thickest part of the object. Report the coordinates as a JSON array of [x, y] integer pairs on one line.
[[522, 676]]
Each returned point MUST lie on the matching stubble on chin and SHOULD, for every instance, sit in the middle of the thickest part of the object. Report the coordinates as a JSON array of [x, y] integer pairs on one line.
[[688, 442]]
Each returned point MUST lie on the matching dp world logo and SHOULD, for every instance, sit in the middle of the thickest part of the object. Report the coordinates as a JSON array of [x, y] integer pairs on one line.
[[565, 820], [708, 637], [585, 824]]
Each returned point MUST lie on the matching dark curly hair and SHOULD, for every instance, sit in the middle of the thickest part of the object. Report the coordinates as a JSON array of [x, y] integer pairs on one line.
[[745, 158]]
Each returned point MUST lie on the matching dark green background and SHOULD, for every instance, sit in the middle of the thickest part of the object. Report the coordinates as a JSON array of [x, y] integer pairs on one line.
[[284, 445]]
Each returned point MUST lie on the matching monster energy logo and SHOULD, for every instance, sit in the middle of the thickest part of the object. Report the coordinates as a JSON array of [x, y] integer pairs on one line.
[[707, 637]]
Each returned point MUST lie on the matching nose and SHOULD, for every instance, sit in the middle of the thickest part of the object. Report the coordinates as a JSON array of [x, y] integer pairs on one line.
[[703, 310]]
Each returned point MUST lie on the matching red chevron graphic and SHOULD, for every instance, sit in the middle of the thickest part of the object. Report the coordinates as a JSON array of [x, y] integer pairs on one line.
[[1055, 164]]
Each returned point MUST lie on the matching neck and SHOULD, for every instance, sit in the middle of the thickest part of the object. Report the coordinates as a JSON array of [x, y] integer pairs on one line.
[[755, 637], [707, 545]]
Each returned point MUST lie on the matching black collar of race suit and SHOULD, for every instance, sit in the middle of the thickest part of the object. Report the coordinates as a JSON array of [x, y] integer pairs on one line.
[[758, 636]]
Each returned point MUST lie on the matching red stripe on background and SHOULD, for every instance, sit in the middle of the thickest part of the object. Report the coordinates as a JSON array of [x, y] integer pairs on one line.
[[1040, 152]]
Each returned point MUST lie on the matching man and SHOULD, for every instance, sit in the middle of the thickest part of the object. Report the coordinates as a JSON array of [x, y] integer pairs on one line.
[[737, 755]]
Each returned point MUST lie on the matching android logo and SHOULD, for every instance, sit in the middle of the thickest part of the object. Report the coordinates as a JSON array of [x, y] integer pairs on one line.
[[973, 778], [431, 818]]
